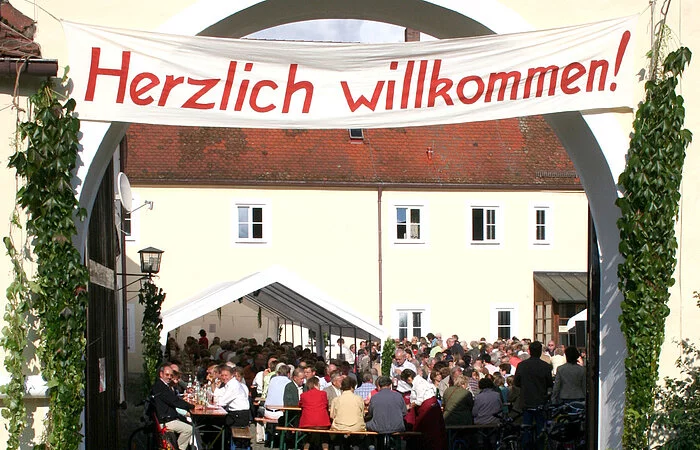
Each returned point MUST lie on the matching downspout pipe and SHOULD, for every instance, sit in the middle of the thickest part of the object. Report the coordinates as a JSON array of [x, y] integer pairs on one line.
[[379, 253]]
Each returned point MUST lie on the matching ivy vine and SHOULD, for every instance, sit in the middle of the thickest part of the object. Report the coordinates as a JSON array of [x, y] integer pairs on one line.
[[151, 297], [388, 351], [649, 208], [60, 297], [14, 340]]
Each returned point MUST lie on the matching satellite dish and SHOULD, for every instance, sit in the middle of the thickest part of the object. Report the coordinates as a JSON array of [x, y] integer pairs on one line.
[[124, 190]]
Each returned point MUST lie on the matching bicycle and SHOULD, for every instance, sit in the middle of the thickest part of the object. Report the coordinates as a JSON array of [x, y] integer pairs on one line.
[[151, 435], [566, 429], [509, 432]]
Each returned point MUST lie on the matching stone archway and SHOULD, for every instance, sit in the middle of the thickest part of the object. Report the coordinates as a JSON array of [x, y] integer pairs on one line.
[[594, 143]]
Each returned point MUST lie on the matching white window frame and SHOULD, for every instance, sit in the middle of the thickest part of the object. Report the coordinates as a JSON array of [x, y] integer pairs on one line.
[[133, 237], [498, 223], [266, 222], [423, 224], [548, 224], [514, 318], [410, 309]]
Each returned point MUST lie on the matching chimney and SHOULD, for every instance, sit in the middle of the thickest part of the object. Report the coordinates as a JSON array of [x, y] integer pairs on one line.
[[411, 35]]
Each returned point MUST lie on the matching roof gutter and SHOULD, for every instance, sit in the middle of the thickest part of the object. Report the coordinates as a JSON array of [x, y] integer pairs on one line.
[[33, 67], [148, 182]]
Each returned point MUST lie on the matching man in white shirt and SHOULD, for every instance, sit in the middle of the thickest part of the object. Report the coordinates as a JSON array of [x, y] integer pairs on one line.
[[400, 364], [343, 353], [234, 398]]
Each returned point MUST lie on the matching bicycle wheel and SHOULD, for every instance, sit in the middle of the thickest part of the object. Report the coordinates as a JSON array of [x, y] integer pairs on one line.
[[510, 443], [141, 439]]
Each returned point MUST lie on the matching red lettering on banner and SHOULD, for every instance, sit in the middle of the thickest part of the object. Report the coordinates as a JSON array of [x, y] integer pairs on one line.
[[595, 65], [480, 86], [293, 86], [362, 100], [406, 85], [95, 70], [243, 89], [503, 78], [444, 83], [207, 85], [254, 96], [421, 81], [390, 87], [135, 92], [540, 73], [227, 85], [170, 83], [569, 75], [624, 40]]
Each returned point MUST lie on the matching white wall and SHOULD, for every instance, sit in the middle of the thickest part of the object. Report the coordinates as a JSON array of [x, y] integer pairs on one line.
[[329, 238]]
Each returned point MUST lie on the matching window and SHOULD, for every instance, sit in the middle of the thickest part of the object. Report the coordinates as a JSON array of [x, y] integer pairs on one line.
[[126, 223], [504, 321], [541, 225], [410, 324], [486, 227], [503, 325], [356, 134], [252, 223], [543, 321], [130, 222], [411, 321], [410, 224]]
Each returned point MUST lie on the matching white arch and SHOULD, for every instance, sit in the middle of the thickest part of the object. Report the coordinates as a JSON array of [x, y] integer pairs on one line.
[[596, 145]]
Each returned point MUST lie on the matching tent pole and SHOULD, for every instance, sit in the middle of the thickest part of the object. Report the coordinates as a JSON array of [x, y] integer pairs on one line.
[[354, 363], [320, 344]]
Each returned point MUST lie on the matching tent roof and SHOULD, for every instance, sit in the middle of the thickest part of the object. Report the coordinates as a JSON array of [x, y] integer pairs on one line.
[[579, 317], [564, 287], [282, 293]]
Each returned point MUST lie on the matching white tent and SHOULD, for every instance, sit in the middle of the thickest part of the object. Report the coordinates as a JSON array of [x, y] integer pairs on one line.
[[579, 317], [284, 294]]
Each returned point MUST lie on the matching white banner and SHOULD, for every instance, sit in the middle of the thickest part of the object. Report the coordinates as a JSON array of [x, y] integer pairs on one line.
[[135, 76]]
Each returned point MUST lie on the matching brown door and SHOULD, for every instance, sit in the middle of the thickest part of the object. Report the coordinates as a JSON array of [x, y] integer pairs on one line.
[[102, 389]]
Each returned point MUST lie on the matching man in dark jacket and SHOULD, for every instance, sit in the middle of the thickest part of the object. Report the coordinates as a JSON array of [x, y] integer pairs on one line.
[[165, 400], [534, 378]]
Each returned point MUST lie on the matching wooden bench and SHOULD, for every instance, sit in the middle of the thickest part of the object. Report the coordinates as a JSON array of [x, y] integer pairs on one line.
[[241, 438], [265, 421], [299, 434]]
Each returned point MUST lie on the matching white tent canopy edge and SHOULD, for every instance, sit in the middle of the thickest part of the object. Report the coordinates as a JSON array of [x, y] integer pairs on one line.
[[301, 302]]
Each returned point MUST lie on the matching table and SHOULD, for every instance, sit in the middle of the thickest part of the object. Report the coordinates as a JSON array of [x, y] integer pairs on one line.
[[214, 416]]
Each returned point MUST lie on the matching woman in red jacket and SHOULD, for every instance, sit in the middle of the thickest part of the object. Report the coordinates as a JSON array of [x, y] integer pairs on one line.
[[314, 413]]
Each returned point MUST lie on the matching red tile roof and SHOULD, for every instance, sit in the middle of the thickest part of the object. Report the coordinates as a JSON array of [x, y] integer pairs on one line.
[[16, 33], [513, 152]]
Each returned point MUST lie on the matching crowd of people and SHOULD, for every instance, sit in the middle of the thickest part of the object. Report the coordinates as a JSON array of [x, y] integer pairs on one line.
[[432, 383]]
